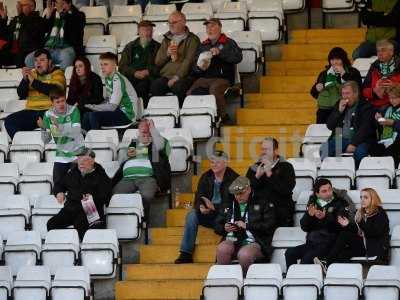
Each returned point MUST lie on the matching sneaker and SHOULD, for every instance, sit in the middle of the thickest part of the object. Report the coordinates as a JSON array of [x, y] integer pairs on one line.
[[322, 263], [184, 258]]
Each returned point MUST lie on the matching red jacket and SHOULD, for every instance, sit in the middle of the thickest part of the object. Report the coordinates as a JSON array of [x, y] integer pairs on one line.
[[370, 82]]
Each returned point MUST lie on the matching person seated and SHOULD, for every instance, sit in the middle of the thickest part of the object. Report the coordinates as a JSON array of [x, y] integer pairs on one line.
[[85, 86], [211, 196], [368, 236], [147, 168], [214, 65], [35, 87], [326, 89], [382, 75], [121, 105], [175, 59], [324, 208], [64, 40], [137, 60], [353, 125], [23, 34], [381, 18], [247, 224], [84, 191], [64, 123], [274, 178]]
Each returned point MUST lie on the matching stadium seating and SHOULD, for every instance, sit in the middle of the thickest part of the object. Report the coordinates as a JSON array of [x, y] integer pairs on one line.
[[375, 172], [36, 179], [104, 143], [123, 22], [9, 81], [43, 208], [98, 44], [233, 16], [6, 282], [301, 206], [32, 283], [306, 173], [339, 170], [382, 282], [196, 14], [363, 65], [71, 283], [263, 281], [26, 147], [336, 6], [9, 178], [14, 214], [96, 21], [164, 111]]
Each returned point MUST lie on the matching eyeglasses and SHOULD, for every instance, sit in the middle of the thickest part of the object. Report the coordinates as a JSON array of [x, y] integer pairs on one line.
[[174, 22]]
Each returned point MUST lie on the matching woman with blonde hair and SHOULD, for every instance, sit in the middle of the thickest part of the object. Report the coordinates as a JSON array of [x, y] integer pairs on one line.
[[367, 235]]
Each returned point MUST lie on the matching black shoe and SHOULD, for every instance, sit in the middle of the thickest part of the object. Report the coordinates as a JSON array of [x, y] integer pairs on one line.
[[226, 120], [232, 93], [184, 258]]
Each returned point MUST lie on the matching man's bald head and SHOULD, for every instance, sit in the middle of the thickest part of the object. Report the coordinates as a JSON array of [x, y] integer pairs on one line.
[[177, 22]]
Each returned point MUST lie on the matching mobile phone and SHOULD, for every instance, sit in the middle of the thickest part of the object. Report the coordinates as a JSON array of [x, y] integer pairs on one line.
[[233, 224]]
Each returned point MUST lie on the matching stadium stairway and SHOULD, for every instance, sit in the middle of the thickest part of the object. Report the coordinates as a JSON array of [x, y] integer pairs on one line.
[[283, 109]]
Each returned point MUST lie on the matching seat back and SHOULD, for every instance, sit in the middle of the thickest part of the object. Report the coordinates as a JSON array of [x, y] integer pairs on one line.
[[96, 20], [262, 282], [32, 283], [382, 281], [306, 173], [6, 282], [304, 280], [343, 281], [104, 143], [14, 214], [61, 287], [181, 143], [98, 44], [44, 208], [333, 6], [159, 12], [223, 282]]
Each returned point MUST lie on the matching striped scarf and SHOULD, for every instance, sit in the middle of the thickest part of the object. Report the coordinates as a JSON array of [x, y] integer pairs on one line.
[[17, 29], [393, 114], [387, 69], [56, 38], [332, 77]]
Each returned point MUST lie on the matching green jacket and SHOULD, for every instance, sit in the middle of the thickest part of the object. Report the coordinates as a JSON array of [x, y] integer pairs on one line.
[[135, 58], [375, 34]]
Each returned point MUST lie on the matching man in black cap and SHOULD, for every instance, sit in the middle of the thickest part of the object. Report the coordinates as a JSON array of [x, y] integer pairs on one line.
[[214, 65], [137, 60], [84, 190]]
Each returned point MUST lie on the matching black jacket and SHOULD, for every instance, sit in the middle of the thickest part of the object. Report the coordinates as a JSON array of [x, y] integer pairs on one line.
[[75, 22], [261, 221], [380, 19], [205, 187], [222, 65], [97, 183], [363, 122]]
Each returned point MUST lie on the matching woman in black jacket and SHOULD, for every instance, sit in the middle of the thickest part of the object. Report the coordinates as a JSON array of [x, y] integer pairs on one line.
[[326, 90], [85, 86], [367, 236]]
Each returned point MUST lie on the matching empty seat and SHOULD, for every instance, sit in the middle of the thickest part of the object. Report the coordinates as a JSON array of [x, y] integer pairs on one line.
[[111, 168], [22, 249], [32, 283], [251, 44], [306, 173], [263, 282], [96, 21], [164, 111], [98, 44], [60, 249], [9, 107], [395, 247], [124, 214], [8, 178], [14, 214], [304, 280], [233, 16], [9, 81], [363, 65], [196, 14], [215, 4], [329, 6], [198, 114], [3, 146], [181, 144], [339, 170], [27, 146], [44, 207], [100, 252], [316, 134], [285, 237], [391, 203], [382, 283], [375, 172], [223, 282], [71, 283], [158, 12], [36, 179], [343, 281], [293, 6], [6, 283], [266, 17], [104, 143], [123, 22], [301, 206]]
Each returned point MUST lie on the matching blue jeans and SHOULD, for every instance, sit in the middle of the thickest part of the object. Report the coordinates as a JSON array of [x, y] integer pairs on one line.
[[193, 220], [61, 57], [96, 119], [24, 120], [329, 149]]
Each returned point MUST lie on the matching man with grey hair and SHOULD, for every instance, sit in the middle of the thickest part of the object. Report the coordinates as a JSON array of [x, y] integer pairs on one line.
[[352, 124], [383, 74]]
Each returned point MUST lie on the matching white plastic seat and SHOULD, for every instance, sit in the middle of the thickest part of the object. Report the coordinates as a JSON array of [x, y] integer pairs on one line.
[[223, 282], [124, 214], [111, 167], [60, 249], [375, 172], [332, 6], [215, 4], [32, 283], [98, 44], [339, 170], [181, 144], [304, 280], [9, 107], [27, 146], [104, 143], [285, 237], [14, 214], [198, 114], [6, 283], [391, 203], [96, 21], [36, 179], [382, 282], [44, 207], [233, 16], [8, 178], [4, 146], [251, 44], [301, 206], [263, 282], [363, 65], [22, 249], [343, 281], [123, 22], [315, 136], [268, 18], [100, 252], [9, 81], [306, 173], [196, 14], [163, 110], [395, 247], [158, 12], [293, 6], [68, 74], [71, 283]]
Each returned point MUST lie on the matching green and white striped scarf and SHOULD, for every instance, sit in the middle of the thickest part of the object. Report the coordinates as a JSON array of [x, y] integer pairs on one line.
[[17, 29], [56, 38], [393, 114], [332, 77], [387, 68]]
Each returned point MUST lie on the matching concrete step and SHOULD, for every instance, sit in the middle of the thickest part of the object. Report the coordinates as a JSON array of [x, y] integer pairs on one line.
[[195, 182], [183, 199], [296, 68], [176, 217], [307, 52], [247, 133], [286, 84], [327, 36], [249, 116], [168, 237], [281, 101]]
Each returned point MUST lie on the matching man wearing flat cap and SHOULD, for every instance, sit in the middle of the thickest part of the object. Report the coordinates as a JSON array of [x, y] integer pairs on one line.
[[214, 65], [137, 60], [85, 185], [247, 224], [211, 196]]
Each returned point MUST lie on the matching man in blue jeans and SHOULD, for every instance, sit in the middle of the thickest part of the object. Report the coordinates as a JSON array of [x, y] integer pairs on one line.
[[212, 192], [352, 124]]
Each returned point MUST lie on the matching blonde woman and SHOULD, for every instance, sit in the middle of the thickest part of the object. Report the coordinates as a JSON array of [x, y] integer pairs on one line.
[[367, 236]]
